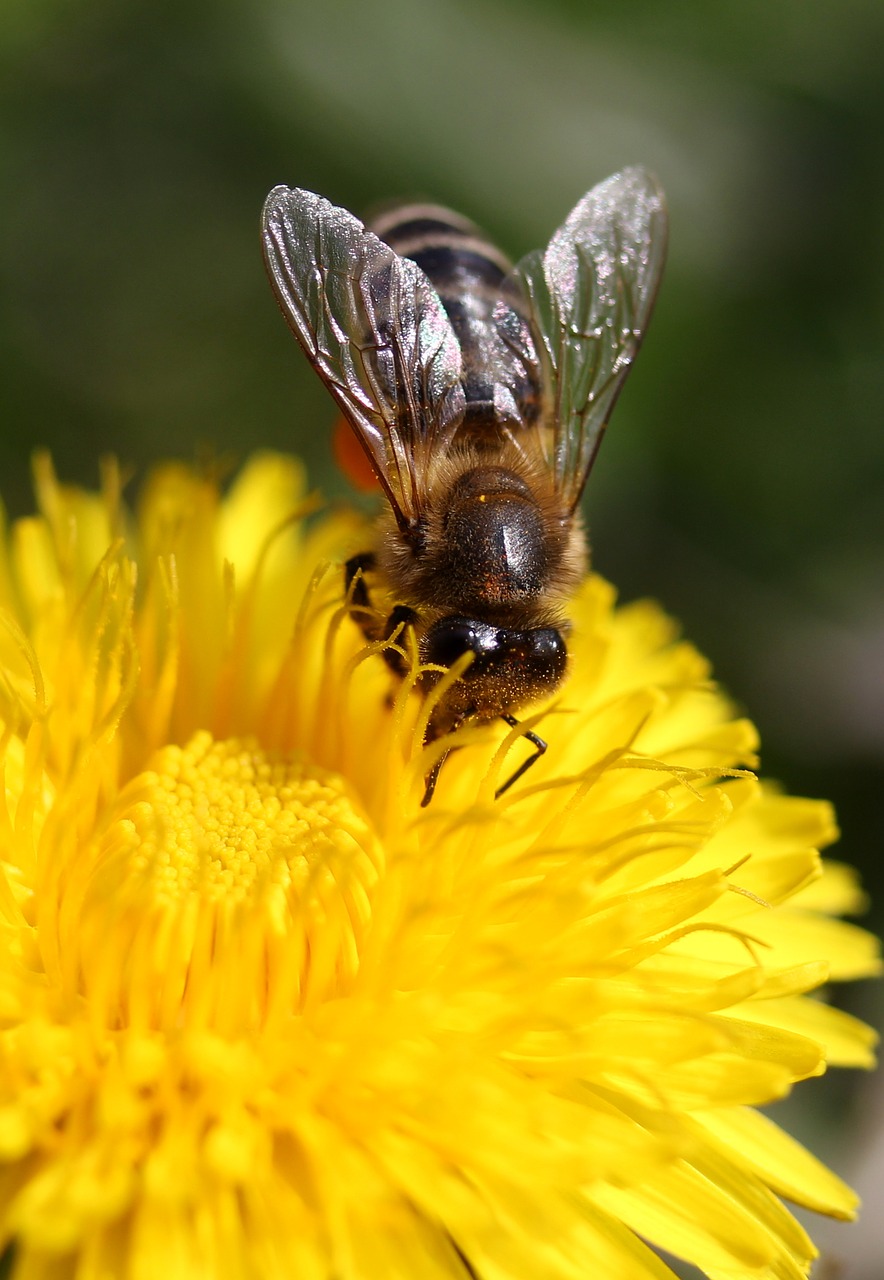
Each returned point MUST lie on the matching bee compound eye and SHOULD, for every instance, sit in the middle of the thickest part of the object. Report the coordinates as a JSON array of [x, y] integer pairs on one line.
[[549, 647], [450, 638], [541, 650]]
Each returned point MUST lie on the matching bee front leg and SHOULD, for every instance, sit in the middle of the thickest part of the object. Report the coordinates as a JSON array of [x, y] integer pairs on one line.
[[399, 619], [436, 728], [366, 618], [536, 741], [356, 588], [540, 747], [433, 776]]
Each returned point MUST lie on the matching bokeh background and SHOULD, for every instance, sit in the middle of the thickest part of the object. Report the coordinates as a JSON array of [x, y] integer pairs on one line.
[[743, 480]]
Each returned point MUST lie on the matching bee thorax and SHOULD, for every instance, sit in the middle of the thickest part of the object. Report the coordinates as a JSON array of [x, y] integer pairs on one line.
[[496, 541]]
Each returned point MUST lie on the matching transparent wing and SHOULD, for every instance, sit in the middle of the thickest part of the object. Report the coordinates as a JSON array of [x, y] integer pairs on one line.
[[375, 331], [589, 298]]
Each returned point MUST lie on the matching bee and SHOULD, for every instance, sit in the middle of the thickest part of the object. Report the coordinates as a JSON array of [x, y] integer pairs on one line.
[[479, 393]]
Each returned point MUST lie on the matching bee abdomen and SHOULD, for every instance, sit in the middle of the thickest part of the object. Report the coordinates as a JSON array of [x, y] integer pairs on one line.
[[467, 272], [449, 249]]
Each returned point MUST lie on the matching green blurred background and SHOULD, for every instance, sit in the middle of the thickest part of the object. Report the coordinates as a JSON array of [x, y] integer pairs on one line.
[[743, 480]]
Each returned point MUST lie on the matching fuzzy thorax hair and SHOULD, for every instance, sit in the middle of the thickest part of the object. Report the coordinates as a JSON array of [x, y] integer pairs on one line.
[[494, 541]]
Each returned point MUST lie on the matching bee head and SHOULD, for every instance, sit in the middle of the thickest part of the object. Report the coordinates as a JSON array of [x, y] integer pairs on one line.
[[509, 667]]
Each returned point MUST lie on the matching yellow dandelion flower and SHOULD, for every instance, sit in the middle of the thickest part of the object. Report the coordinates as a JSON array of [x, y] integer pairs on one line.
[[265, 1016]]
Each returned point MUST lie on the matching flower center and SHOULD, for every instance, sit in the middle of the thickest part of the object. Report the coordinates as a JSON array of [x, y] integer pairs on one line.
[[227, 821], [225, 870]]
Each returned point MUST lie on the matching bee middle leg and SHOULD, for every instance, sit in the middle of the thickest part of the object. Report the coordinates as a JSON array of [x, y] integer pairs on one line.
[[364, 616]]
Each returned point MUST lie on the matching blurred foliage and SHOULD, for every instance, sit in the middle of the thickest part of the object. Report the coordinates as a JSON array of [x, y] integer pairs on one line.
[[743, 480]]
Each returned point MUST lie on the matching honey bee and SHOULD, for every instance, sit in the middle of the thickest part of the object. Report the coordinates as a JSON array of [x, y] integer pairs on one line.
[[479, 393]]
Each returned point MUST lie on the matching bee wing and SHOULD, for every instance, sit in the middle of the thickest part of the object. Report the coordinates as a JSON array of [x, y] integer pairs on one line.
[[374, 329], [590, 296]]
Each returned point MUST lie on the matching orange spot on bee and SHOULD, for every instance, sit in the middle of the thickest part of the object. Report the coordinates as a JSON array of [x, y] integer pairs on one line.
[[351, 458]]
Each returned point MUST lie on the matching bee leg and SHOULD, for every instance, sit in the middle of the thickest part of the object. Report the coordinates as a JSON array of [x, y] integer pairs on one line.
[[462, 1258], [535, 741], [359, 596], [433, 777], [399, 619], [435, 730], [357, 567]]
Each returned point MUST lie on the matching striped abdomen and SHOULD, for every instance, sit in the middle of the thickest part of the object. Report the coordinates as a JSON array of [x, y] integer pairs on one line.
[[467, 271]]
